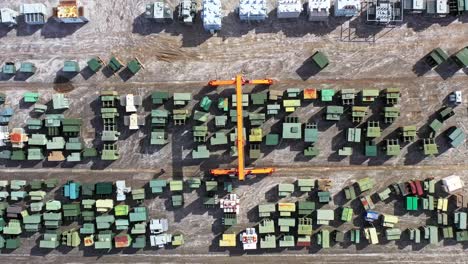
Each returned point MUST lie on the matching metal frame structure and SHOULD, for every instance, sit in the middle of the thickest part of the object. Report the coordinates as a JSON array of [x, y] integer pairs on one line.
[[241, 171], [384, 11]]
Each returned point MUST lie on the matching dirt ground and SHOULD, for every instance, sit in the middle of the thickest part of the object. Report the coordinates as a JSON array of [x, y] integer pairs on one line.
[[184, 59]]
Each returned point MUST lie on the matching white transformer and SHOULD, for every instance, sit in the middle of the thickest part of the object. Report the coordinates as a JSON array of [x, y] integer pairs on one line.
[[289, 8]]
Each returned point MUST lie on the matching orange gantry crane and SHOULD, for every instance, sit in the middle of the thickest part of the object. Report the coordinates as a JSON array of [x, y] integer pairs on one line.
[[241, 171]]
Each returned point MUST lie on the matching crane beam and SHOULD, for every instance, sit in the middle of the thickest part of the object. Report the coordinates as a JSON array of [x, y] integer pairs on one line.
[[240, 129], [241, 171], [265, 81], [233, 171], [221, 82]]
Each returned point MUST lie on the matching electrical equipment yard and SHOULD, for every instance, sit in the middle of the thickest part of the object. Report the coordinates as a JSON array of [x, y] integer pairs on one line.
[[176, 58]]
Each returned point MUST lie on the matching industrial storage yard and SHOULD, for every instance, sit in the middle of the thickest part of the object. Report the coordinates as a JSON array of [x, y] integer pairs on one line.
[[183, 59]]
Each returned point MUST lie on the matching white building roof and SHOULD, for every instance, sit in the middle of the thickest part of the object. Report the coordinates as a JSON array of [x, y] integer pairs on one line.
[[418, 4], [212, 14], [249, 239], [256, 9], [319, 4], [230, 204], [158, 10], [133, 122], [452, 183], [122, 189], [158, 226], [289, 6], [348, 4], [318, 10], [129, 103], [160, 240], [4, 135], [8, 15], [441, 7], [33, 9]]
